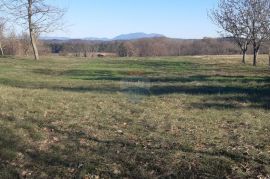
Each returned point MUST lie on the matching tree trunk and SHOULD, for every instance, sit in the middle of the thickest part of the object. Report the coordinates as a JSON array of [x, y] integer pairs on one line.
[[254, 58], [255, 54], [31, 31], [244, 57], [1, 50], [269, 59], [269, 56], [34, 45]]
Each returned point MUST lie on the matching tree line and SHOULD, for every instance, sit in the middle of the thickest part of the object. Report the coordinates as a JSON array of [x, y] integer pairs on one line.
[[245, 24], [148, 47]]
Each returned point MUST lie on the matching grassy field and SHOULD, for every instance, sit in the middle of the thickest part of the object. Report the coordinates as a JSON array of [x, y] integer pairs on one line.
[[170, 117]]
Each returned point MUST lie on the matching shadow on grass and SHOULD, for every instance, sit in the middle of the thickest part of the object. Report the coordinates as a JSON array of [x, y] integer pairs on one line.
[[234, 102], [10, 145], [152, 64], [105, 158], [77, 154], [257, 94], [118, 75]]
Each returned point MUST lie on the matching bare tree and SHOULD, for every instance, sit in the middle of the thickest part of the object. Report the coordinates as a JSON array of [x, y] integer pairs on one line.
[[36, 15], [232, 17], [258, 23]]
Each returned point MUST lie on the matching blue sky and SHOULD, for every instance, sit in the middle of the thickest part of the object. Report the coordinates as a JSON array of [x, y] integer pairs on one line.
[[108, 18]]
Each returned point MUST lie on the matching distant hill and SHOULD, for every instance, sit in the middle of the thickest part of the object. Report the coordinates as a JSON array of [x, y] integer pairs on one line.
[[135, 36], [96, 39], [55, 38], [131, 36]]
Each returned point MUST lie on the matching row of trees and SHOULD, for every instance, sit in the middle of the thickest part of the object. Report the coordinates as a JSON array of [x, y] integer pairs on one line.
[[176, 47], [150, 47], [246, 21]]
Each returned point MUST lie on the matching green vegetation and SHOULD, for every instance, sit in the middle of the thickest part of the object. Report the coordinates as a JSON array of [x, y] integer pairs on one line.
[[184, 117]]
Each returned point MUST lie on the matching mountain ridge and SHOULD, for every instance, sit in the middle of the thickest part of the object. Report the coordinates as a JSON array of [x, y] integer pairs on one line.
[[138, 35], [123, 37]]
